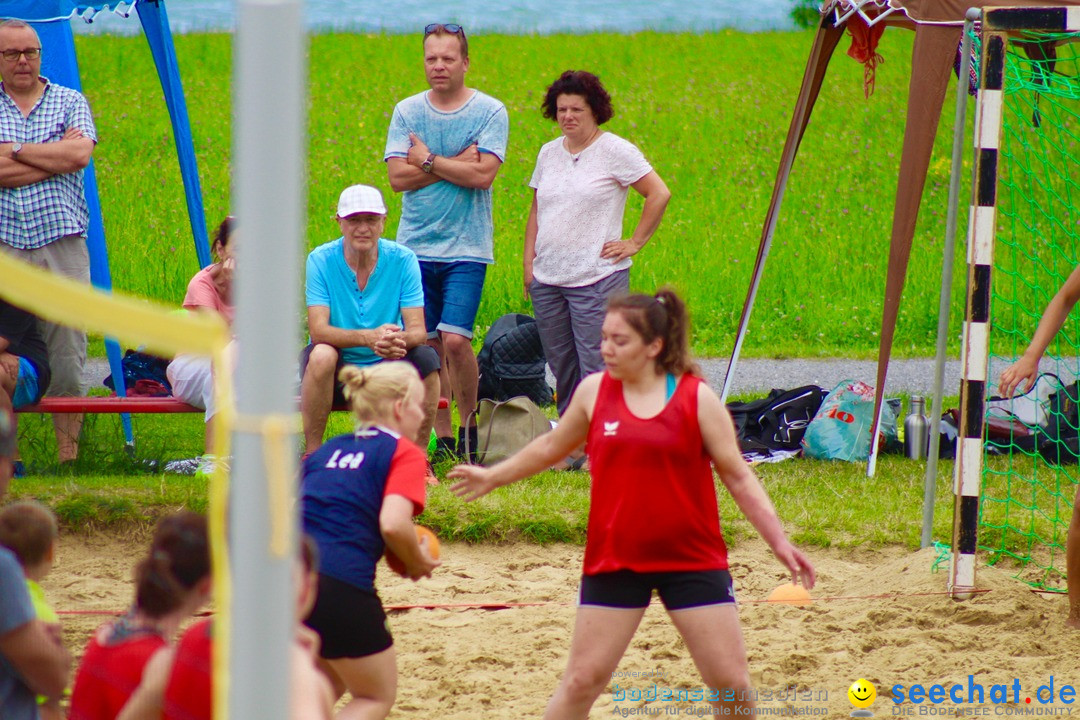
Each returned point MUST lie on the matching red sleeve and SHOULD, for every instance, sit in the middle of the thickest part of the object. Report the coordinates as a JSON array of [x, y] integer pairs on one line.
[[408, 474], [201, 293]]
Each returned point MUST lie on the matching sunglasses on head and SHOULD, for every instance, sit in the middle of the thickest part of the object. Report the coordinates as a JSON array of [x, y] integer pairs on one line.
[[452, 28]]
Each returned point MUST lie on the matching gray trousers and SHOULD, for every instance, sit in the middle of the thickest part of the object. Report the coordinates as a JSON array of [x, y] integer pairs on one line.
[[69, 257], [570, 319]]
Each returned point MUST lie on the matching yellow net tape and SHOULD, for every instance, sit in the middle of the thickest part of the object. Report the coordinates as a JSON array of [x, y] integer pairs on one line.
[[135, 322], [277, 432], [130, 320]]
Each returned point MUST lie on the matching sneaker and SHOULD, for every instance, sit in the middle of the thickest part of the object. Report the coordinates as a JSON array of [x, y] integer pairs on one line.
[[187, 466], [469, 456], [209, 463], [20, 469], [445, 449]]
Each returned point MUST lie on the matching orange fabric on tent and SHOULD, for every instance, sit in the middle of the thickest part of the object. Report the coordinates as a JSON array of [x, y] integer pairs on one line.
[[864, 42]]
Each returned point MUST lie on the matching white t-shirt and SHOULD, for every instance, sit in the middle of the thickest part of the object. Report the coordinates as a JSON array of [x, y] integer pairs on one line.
[[580, 206]]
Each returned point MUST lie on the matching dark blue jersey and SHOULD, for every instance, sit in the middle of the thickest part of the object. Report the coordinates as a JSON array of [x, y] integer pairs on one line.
[[342, 490]]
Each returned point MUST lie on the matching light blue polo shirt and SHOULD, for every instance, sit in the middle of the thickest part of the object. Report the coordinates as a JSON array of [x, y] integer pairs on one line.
[[395, 284], [444, 222]]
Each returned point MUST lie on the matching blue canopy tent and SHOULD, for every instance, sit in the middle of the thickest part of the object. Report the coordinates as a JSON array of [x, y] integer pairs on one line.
[[52, 20]]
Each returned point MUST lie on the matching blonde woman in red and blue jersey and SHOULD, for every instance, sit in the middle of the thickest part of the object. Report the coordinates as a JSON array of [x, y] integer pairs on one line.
[[359, 494]]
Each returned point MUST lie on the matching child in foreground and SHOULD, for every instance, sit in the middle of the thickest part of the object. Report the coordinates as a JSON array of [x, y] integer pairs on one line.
[[654, 431], [28, 530], [177, 683], [171, 582]]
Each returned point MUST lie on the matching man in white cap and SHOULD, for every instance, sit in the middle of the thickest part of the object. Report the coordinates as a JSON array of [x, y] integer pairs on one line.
[[365, 304]]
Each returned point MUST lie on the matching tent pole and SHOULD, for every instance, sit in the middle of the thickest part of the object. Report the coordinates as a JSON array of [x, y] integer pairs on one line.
[[824, 44], [930, 485], [155, 23], [269, 143], [931, 62]]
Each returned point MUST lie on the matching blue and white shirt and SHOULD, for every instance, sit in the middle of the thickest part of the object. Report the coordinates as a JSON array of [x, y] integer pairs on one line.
[[445, 222], [35, 215]]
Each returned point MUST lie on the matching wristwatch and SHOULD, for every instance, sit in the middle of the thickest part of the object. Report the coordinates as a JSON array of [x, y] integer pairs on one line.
[[429, 164], [15, 149]]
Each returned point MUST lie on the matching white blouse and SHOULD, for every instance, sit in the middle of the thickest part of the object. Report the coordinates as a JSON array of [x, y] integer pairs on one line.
[[580, 200]]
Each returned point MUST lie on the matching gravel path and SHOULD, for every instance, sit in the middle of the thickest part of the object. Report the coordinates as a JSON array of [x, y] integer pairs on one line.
[[758, 376]]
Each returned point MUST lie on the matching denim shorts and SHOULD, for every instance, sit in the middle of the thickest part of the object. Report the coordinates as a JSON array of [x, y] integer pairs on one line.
[[451, 296], [26, 385]]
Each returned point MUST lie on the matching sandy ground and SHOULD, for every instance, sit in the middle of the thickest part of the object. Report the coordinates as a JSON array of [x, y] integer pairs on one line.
[[878, 614]]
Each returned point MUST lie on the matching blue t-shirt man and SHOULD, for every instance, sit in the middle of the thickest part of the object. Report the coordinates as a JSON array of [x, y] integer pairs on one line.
[[444, 148], [444, 222], [17, 701], [394, 284]]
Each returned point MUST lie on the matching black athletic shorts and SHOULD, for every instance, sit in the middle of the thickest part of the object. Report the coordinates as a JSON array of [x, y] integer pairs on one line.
[[422, 357], [350, 621], [677, 590]]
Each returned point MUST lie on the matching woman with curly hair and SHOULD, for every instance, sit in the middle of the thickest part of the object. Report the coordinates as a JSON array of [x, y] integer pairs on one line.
[[575, 255]]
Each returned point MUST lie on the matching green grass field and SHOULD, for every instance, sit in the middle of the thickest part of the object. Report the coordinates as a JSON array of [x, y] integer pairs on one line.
[[709, 111], [821, 503]]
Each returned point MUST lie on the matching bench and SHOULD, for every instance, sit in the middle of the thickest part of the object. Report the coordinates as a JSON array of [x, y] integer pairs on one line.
[[132, 404]]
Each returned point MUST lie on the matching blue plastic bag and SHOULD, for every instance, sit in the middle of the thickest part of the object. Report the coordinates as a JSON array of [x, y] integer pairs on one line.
[[841, 428]]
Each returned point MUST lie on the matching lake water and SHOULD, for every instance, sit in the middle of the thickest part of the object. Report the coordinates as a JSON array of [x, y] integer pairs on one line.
[[480, 16]]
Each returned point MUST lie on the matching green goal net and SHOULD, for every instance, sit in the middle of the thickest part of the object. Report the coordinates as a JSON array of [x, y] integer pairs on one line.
[[1027, 496]]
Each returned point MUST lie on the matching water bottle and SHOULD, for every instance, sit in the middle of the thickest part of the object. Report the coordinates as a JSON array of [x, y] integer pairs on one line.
[[916, 430]]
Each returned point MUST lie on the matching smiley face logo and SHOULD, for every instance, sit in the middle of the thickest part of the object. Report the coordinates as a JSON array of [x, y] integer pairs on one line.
[[862, 695]]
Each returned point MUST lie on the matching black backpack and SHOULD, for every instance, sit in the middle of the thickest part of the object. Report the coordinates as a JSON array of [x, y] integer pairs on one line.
[[1059, 440], [142, 366], [512, 361], [776, 422]]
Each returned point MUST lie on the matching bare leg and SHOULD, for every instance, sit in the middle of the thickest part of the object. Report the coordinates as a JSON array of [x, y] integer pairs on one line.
[[714, 639], [208, 437], [464, 373], [432, 387], [601, 636], [336, 683], [317, 394], [443, 425], [1072, 565], [67, 426], [372, 682], [7, 421]]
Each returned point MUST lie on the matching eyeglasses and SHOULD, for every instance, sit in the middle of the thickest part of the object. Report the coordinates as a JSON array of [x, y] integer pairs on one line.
[[13, 55], [452, 28]]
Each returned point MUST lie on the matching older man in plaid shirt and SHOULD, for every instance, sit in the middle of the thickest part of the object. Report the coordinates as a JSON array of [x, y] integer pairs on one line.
[[46, 138]]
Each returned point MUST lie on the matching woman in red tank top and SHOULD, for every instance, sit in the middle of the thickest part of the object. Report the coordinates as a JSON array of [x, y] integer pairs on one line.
[[654, 430]]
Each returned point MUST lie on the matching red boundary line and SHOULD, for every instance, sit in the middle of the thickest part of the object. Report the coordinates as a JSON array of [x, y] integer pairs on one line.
[[510, 605]]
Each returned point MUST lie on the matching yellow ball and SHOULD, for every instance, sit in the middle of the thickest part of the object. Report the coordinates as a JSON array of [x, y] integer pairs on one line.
[[862, 693]]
